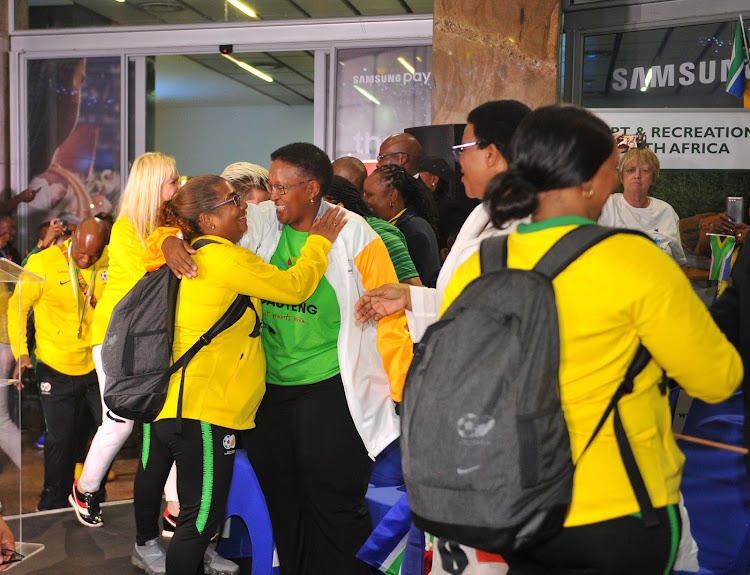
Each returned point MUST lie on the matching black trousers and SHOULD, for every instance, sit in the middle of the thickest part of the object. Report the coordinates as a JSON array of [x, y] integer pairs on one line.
[[313, 469], [204, 455], [621, 546], [62, 397]]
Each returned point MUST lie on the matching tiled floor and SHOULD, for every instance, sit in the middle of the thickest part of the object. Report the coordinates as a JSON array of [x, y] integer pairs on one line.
[[71, 549], [31, 477]]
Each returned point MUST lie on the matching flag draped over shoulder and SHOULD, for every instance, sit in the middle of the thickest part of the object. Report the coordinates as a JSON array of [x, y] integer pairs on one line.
[[738, 65], [721, 256]]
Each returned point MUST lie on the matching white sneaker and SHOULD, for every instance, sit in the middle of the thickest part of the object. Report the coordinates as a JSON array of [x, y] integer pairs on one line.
[[150, 557], [215, 564]]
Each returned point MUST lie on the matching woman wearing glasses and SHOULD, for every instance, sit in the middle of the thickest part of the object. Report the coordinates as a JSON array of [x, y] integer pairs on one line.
[[327, 411], [488, 130], [225, 381]]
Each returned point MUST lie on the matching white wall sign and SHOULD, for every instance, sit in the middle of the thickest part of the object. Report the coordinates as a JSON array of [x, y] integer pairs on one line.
[[688, 139]]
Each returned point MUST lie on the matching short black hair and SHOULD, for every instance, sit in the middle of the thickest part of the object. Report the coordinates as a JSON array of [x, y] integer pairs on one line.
[[310, 159], [495, 122]]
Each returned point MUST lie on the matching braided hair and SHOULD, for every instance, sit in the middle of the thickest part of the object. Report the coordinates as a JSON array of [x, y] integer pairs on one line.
[[415, 196], [342, 191]]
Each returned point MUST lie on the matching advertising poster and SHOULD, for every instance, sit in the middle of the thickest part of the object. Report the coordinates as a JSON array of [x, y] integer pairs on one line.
[[73, 121], [379, 92]]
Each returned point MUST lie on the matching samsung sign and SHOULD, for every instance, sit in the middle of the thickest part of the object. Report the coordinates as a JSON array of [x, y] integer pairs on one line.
[[688, 139], [670, 75]]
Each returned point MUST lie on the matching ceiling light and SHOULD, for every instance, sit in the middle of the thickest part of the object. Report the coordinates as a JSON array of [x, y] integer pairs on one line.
[[243, 8], [406, 65], [367, 95], [249, 68], [120, 1]]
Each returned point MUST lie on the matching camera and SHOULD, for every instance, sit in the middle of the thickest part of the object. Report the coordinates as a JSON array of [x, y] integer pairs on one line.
[[632, 141]]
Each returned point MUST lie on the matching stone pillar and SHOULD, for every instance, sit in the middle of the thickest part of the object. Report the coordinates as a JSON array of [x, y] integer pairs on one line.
[[492, 50]]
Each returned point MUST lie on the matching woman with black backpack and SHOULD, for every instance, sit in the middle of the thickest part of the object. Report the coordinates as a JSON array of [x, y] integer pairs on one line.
[[225, 381], [621, 293]]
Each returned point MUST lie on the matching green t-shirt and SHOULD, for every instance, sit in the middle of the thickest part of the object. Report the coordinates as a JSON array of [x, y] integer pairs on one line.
[[395, 243], [300, 341]]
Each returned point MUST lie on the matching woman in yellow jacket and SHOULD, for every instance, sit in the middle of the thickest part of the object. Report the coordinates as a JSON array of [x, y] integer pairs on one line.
[[153, 180], [622, 292], [225, 381]]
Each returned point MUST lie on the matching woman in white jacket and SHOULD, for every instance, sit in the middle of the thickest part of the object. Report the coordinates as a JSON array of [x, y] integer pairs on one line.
[[488, 131]]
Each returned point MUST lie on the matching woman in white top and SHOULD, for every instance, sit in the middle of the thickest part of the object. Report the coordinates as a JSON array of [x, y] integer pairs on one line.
[[488, 130], [635, 209]]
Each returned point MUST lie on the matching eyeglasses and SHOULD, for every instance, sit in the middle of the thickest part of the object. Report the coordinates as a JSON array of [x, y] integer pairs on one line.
[[459, 149], [383, 156], [15, 556], [235, 198], [281, 190]]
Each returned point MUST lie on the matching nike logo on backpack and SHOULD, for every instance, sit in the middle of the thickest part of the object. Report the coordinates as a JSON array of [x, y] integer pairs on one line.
[[62, 283], [467, 470]]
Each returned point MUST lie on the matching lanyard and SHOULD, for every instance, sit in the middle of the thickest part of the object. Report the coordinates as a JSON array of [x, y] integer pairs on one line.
[[79, 286]]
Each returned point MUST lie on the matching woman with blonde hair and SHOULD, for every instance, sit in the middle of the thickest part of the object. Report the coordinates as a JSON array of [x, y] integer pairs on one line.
[[249, 180], [635, 209], [153, 180]]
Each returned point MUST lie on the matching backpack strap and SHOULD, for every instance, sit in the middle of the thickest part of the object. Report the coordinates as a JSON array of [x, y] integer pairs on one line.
[[573, 245], [640, 361], [231, 316], [493, 254]]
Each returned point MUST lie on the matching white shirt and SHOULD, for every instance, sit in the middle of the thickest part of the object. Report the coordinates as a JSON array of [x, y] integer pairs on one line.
[[658, 220]]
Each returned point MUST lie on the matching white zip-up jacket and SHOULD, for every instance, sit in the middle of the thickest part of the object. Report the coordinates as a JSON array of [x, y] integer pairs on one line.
[[373, 357]]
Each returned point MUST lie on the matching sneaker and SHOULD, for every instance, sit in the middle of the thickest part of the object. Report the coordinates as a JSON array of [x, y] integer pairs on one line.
[[215, 564], [86, 506], [39, 443], [169, 522], [150, 557]]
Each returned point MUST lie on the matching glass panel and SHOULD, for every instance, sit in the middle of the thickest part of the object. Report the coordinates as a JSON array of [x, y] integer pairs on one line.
[[679, 67], [40, 14], [210, 110], [73, 140], [379, 92], [13, 464]]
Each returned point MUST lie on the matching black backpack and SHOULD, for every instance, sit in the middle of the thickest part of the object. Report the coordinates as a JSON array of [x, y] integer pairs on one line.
[[485, 447], [137, 349]]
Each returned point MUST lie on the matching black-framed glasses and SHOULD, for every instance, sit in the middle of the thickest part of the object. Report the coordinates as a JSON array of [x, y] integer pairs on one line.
[[235, 198], [381, 157], [281, 190], [13, 555], [458, 150]]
